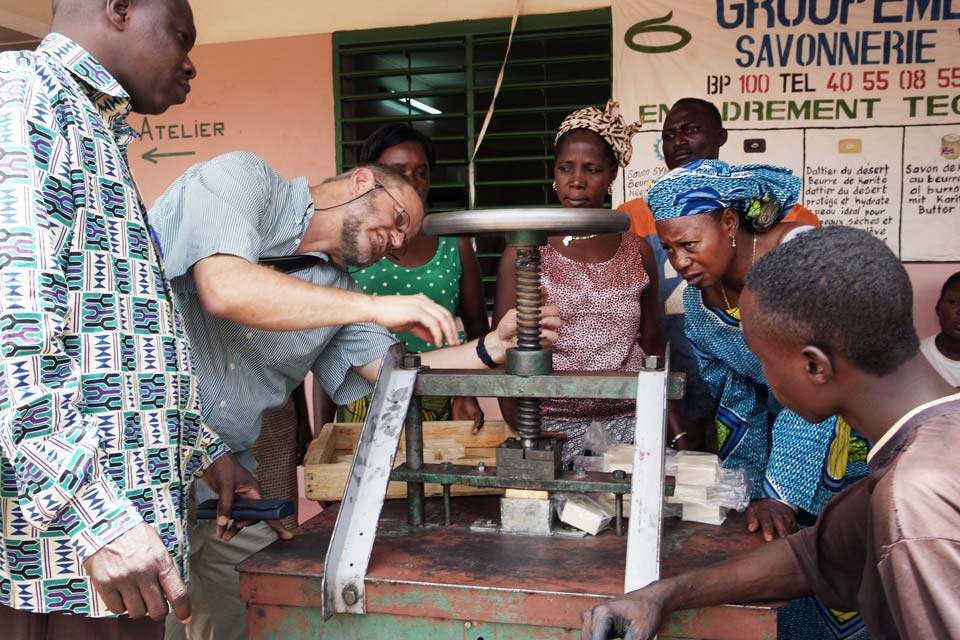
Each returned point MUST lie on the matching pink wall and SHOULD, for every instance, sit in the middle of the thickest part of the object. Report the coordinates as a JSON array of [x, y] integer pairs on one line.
[[273, 97]]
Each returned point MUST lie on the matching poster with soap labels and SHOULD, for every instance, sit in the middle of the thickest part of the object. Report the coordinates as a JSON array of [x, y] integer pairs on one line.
[[860, 99]]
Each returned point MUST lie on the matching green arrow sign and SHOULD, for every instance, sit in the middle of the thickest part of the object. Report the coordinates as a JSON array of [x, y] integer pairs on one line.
[[152, 155]]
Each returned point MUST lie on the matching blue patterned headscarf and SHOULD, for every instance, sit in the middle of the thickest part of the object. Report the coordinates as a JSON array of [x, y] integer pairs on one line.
[[761, 193]]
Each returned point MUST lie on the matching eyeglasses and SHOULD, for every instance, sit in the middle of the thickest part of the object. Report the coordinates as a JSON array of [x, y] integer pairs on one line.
[[401, 219]]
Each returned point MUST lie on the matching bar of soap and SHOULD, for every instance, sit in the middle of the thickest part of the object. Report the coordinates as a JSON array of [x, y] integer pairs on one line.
[[707, 512], [530, 517], [692, 491], [610, 503], [619, 458], [584, 514], [694, 468]]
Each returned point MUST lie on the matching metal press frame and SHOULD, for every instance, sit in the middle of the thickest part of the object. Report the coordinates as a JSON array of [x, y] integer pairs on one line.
[[525, 462]]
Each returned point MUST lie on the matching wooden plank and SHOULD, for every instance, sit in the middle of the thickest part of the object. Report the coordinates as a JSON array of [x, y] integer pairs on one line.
[[325, 483], [321, 449], [491, 435], [527, 494], [328, 459]]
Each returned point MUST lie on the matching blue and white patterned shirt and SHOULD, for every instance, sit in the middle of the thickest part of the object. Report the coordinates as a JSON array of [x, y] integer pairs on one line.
[[100, 421], [235, 204]]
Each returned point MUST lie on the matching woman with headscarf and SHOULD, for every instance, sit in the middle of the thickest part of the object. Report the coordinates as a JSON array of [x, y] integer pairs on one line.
[[714, 221], [603, 284]]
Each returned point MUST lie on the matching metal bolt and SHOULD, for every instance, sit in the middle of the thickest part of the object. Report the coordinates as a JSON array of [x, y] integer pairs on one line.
[[411, 362], [350, 595], [581, 473], [467, 625], [651, 363], [619, 474], [445, 465], [481, 466]]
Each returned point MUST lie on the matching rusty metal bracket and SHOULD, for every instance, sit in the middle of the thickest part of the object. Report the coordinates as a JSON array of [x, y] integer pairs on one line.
[[348, 555], [645, 530]]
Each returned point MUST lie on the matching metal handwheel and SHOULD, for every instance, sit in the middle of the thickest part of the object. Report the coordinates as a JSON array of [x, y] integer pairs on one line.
[[526, 230]]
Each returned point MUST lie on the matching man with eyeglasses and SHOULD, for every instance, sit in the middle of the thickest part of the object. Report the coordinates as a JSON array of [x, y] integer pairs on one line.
[[260, 266]]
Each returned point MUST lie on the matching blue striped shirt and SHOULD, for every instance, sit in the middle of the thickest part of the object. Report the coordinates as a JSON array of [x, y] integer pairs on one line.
[[235, 204]]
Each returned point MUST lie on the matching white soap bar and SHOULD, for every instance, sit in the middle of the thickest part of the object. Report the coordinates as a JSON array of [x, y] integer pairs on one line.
[[692, 491], [610, 503], [697, 475], [697, 458], [706, 512], [619, 458], [584, 515]]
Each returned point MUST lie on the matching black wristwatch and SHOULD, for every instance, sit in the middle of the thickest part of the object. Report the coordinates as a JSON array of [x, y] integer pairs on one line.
[[483, 355]]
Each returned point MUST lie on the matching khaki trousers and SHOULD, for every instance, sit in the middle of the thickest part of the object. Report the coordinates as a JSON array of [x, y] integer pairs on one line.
[[218, 613]]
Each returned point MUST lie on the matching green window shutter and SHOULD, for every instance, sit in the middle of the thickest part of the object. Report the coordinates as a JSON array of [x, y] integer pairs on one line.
[[440, 78]]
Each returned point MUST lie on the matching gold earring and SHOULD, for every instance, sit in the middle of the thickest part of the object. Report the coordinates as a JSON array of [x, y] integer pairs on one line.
[[554, 185]]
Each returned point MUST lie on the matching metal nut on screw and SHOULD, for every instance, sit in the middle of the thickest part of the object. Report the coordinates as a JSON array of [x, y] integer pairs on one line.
[[481, 466], [350, 595], [619, 474]]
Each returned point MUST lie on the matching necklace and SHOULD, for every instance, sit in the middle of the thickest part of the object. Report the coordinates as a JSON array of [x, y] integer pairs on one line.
[[568, 239], [753, 258]]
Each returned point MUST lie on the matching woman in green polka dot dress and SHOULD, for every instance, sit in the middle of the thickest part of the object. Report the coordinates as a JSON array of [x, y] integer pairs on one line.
[[444, 269]]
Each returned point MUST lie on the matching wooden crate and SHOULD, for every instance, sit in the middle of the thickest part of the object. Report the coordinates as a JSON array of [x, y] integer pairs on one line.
[[327, 463]]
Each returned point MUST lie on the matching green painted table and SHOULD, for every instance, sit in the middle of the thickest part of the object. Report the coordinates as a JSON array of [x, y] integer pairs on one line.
[[447, 582]]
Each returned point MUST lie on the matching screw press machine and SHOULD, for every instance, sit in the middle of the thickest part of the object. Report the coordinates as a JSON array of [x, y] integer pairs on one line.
[[529, 462], [458, 575]]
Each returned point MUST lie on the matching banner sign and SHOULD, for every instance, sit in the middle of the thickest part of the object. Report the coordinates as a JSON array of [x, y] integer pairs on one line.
[[861, 98]]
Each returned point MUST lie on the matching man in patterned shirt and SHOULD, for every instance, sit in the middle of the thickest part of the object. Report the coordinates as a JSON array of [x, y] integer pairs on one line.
[[100, 424]]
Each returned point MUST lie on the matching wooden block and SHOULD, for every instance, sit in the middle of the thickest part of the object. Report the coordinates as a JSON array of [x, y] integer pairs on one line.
[[447, 449], [491, 435], [527, 494], [325, 481], [429, 455], [327, 465], [321, 449], [480, 452]]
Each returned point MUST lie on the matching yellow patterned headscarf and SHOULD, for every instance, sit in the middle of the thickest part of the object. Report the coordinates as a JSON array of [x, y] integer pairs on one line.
[[608, 124]]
